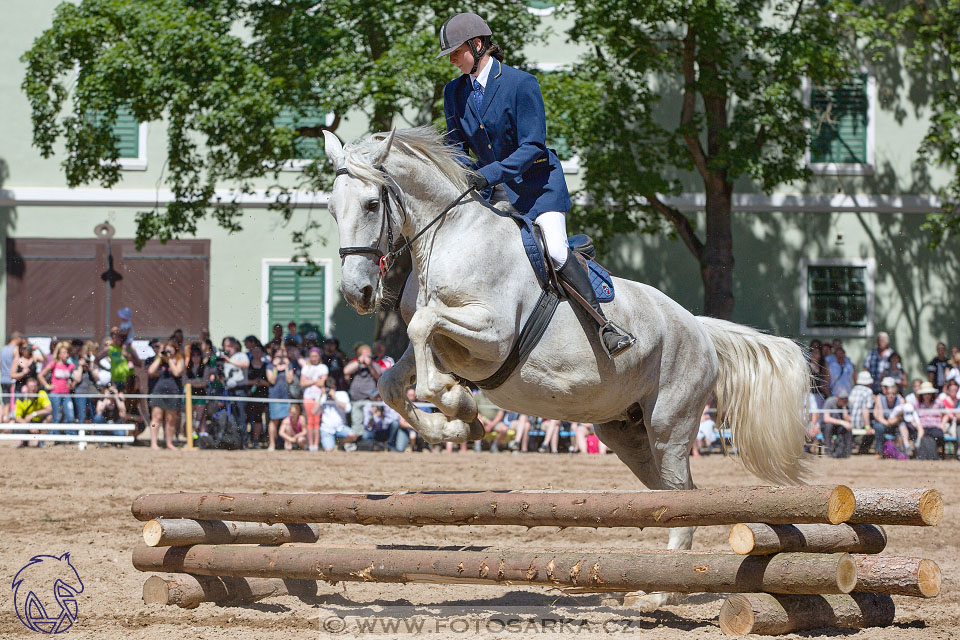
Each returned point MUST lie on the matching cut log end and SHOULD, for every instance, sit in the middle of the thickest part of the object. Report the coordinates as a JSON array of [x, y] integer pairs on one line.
[[766, 614], [931, 507], [737, 617], [741, 539], [929, 578], [846, 573], [152, 533], [840, 504]]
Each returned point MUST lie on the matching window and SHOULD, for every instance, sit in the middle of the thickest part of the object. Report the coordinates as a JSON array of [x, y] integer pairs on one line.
[[842, 132], [131, 137], [541, 7], [307, 149], [294, 292], [837, 297]]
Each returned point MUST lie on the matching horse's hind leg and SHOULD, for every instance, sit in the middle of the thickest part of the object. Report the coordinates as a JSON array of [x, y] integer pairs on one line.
[[658, 468]]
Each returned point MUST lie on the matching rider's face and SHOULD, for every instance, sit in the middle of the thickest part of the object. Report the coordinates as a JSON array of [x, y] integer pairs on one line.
[[462, 58]]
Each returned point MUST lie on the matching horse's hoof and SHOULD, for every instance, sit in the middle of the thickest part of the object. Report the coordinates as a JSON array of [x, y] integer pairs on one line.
[[476, 430]]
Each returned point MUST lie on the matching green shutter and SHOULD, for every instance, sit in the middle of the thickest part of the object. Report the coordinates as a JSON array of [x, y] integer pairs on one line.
[[306, 148], [296, 294], [840, 127], [540, 4], [127, 131], [836, 296], [555, 141]]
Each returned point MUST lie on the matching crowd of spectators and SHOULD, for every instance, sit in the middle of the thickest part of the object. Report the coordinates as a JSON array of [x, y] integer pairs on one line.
[[301, 391], [876, 407], [297, 391]]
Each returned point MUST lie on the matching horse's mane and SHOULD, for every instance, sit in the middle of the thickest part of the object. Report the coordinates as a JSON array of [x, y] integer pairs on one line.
[[423, 143]]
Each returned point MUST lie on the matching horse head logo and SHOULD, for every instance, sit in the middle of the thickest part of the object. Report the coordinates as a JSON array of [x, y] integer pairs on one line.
[[32, 589]]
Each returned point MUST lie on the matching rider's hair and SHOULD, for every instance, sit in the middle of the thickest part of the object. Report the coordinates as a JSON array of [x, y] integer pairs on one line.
[[492, 48]]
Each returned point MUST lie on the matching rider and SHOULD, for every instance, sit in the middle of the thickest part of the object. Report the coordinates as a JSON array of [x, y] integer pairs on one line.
[[497, 112]]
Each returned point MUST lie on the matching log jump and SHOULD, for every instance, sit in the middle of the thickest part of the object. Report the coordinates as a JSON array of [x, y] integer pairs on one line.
[[802, 557]]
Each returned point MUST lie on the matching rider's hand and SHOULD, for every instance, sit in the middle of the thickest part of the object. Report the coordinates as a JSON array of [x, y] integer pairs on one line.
[[477, 182]]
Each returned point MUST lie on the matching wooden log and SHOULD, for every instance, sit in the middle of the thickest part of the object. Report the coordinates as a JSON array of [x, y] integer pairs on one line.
[[187, 591], [921, 507], [776, 505], [764, 539], [164, 532], [768, 615], [918, 577], [683, 572]]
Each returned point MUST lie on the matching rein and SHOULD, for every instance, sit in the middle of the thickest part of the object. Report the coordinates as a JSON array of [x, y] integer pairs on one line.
[[392, 190]]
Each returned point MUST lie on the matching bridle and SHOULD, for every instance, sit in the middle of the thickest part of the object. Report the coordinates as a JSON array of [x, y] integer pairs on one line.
[[391, 190]]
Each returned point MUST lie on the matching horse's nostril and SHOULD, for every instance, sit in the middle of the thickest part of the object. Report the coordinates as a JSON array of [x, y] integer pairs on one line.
[[367, 294]]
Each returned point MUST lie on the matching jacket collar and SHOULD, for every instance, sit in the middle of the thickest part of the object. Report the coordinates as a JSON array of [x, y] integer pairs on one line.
[[493, 83]]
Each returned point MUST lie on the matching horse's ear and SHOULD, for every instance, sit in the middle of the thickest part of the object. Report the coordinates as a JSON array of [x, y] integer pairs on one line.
[[381, 154], [333, 148]]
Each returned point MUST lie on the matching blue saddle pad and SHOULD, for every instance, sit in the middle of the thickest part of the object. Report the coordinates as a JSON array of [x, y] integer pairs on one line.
[[599, 277]]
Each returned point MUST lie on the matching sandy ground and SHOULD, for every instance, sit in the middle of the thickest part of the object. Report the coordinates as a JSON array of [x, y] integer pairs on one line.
[[59, 499]]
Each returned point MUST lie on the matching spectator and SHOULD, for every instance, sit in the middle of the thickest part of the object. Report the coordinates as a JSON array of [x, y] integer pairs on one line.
[[197, 376], [884, 415], [293, 428], [61, 383], [311, 340], [877, 360], [335, 362], [121, 356], [312, 380], [860, 406], [333, 427], [292, 334], [706, 436], [841, 372], [111, 409], [235, 367], [836, 422], [8, 354], [492, 419], [928, 414], [551, 436], [521, 433], [380, 355], [126, 326], [32, 410], [26, 364], [894, 369], [937, 368], [86, 373], [381, 424], [181, 345], [167, 369], [257, 387], [830, 357], [362, 374], [295, 356], [814, 402], [406, 434], [819, 375], [947, 403], [280, 376], [954, 363], [587, 440], [911, 398], [277, 339]]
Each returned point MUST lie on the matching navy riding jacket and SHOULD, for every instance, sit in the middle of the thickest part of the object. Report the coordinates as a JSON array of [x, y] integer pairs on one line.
[[508, 137]]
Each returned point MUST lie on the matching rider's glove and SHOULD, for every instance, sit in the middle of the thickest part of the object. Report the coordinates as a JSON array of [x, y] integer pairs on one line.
[[477, 182]]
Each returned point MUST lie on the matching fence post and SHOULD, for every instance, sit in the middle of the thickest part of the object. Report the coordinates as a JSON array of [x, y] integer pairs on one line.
[[188, 392]]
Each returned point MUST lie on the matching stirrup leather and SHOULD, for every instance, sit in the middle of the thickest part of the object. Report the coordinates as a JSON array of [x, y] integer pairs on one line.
[[626, 341]]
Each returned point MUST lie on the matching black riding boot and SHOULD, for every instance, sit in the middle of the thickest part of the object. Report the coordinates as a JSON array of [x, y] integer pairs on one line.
[[615, 339]]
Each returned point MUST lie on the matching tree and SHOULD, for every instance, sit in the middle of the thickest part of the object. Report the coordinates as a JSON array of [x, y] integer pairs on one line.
[[694, 96], [221, 73], [929, 31]]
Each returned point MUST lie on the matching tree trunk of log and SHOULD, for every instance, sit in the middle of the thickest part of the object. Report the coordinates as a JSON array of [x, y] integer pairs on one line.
[[768, 615], [188, 591], [163, 532], [921, 507], [764, 539], [682, 572], [897, 575], [776, 505]]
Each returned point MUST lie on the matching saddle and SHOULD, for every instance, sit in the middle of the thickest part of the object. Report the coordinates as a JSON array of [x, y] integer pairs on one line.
[[550, 292]]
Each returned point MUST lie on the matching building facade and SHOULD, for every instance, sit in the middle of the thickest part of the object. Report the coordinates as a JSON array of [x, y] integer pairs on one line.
[[840, 256]]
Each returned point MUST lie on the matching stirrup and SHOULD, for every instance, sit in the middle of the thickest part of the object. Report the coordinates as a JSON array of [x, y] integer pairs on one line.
[[626, 339]]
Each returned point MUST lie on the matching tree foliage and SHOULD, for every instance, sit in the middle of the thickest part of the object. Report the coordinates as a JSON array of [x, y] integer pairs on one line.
[[694, 95], [220, 72]]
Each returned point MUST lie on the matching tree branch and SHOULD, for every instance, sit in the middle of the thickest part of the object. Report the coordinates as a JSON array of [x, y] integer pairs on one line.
[[680, 222], [689, 104]]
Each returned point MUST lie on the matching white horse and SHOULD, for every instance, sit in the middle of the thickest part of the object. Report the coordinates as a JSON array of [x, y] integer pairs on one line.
[[470, 292]]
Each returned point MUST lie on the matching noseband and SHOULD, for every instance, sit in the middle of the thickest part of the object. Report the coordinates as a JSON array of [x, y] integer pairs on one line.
[[389, 190]]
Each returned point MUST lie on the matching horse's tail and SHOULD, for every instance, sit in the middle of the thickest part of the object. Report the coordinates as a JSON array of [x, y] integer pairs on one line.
[[762, 387]]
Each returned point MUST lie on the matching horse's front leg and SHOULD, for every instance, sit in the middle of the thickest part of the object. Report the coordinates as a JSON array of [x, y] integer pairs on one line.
[[463, 331]]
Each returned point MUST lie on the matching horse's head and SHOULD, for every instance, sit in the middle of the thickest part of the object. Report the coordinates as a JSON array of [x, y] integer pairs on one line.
[[363, 220]]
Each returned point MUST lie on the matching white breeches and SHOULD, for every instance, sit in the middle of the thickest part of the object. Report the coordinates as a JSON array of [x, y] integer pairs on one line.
[[554, 226]]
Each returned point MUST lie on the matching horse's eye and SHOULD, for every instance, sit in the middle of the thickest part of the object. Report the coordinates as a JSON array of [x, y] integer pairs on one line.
[[373, 205]]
